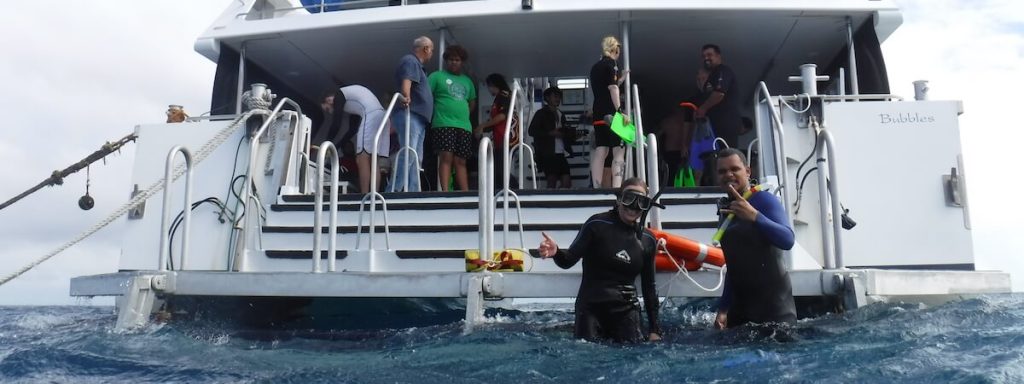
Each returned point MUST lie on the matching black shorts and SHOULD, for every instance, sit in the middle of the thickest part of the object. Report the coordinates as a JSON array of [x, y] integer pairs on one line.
[[455, 140], [553, 164], [604, 137]]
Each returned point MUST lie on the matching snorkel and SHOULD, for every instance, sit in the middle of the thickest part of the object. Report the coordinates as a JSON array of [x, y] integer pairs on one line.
[[640, 224], [716, 240]]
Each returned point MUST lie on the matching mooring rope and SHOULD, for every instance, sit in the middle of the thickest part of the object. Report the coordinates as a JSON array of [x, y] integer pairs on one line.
[[157, 186]]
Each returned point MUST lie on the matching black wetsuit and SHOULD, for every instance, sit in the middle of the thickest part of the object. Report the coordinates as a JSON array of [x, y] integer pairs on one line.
[[607, 305], [757, 286]]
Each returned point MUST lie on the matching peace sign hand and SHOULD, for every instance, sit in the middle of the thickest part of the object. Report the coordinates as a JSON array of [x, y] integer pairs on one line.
[[548, 247], [739, 206]]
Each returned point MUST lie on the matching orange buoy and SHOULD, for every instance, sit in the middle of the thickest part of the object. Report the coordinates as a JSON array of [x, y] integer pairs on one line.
[[691, 254]]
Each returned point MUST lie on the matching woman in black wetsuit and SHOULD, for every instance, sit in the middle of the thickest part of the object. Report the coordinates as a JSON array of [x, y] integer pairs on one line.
[[614, 252]]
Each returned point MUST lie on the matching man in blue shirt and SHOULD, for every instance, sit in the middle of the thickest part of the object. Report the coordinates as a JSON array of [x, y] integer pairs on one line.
[[757, 288], [416, 98]]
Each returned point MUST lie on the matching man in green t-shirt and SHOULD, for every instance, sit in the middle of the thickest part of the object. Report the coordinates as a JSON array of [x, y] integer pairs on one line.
[[454, 98]]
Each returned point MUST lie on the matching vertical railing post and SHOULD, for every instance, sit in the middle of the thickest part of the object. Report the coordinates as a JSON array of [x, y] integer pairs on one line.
[[653, 178], [485, 180], [373, 194], [325, 148], [165, 253]]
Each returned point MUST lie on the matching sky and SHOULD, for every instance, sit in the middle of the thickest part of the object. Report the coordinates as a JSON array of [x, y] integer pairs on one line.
[[88, 72]]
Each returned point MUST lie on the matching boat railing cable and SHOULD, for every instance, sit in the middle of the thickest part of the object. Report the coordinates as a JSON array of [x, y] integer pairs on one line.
[[142, 196], [407, 149], [186, 214], [373, 195], [243, 223], [318, 201], [485, 180], [828, 189], [778, 139]]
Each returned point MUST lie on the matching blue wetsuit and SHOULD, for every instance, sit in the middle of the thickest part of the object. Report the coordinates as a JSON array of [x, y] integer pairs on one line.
[[757, 286], [607, 305]]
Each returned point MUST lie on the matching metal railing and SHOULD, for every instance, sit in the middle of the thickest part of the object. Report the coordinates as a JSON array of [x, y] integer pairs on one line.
[[506, 192], [778, 139], [521, 146], [247, 195], [407, 149], [165, 252], [653, 179], [485, 180], [828, 189], [325, 6], [637, 155], [373, 194], [332, 232]]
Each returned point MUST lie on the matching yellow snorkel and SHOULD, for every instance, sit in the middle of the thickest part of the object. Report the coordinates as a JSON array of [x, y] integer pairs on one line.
[[716, 240]]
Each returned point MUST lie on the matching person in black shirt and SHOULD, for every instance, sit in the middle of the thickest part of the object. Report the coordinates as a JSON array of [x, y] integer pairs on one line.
[[614, 251], [721, 104], [605, 80], [553, 139]]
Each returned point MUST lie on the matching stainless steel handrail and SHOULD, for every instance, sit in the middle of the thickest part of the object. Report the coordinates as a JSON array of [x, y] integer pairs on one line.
[[653, 179], [522, 147], [406, 148], [778, 139], [485, 180], [828, 189], [638, 141], [373, 195], [165, 252], [247, 191], [325, 148], [506, 192]]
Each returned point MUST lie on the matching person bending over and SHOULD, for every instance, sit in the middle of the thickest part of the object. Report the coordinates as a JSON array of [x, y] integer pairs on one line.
[[614, 251]]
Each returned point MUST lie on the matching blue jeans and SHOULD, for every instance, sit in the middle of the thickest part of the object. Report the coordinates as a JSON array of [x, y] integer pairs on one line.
[[404, 164]]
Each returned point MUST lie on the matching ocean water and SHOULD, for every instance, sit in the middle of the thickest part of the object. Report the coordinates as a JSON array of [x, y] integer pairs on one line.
[[977, 340]]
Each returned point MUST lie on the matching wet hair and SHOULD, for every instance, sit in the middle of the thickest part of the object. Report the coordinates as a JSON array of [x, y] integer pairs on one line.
[[455, 51], [732, 152], [631, 182], [552, 91], [498, 81], [712, 47], [608, 44]]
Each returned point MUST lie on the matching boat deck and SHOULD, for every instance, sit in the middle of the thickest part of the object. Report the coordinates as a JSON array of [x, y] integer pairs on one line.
[[856, 287]]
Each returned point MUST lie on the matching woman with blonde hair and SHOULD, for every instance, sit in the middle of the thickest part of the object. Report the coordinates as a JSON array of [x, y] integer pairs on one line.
[[605, 79]]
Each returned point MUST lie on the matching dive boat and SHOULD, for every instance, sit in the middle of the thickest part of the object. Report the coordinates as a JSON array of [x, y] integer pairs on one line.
[[811, 77]]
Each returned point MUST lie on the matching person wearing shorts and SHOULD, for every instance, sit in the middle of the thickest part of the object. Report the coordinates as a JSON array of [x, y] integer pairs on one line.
[[605, 79], [454, 97], [360, 102]]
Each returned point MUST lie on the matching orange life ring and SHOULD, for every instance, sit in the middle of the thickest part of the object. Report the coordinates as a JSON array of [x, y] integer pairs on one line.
[[691, 254]]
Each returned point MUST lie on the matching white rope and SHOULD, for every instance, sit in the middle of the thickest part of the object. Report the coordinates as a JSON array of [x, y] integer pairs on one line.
[[157, 186], [685, 273]]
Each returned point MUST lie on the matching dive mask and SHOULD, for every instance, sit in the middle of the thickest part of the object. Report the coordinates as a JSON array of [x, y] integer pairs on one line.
[[635, 200]]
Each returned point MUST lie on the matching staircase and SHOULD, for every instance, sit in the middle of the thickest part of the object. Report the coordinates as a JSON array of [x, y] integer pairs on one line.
[[430, 231]]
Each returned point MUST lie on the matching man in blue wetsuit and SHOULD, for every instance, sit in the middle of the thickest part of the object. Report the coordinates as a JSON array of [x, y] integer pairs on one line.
[[614, 252], [757, 287]]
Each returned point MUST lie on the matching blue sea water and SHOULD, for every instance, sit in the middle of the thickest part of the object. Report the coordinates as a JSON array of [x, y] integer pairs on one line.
[[977, 340]]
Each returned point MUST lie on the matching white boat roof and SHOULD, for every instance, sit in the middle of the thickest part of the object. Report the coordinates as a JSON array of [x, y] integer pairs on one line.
[[760, 40]]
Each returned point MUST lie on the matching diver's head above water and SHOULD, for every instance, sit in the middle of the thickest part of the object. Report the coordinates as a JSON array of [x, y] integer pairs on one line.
[[733, 170], [632, 200]]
